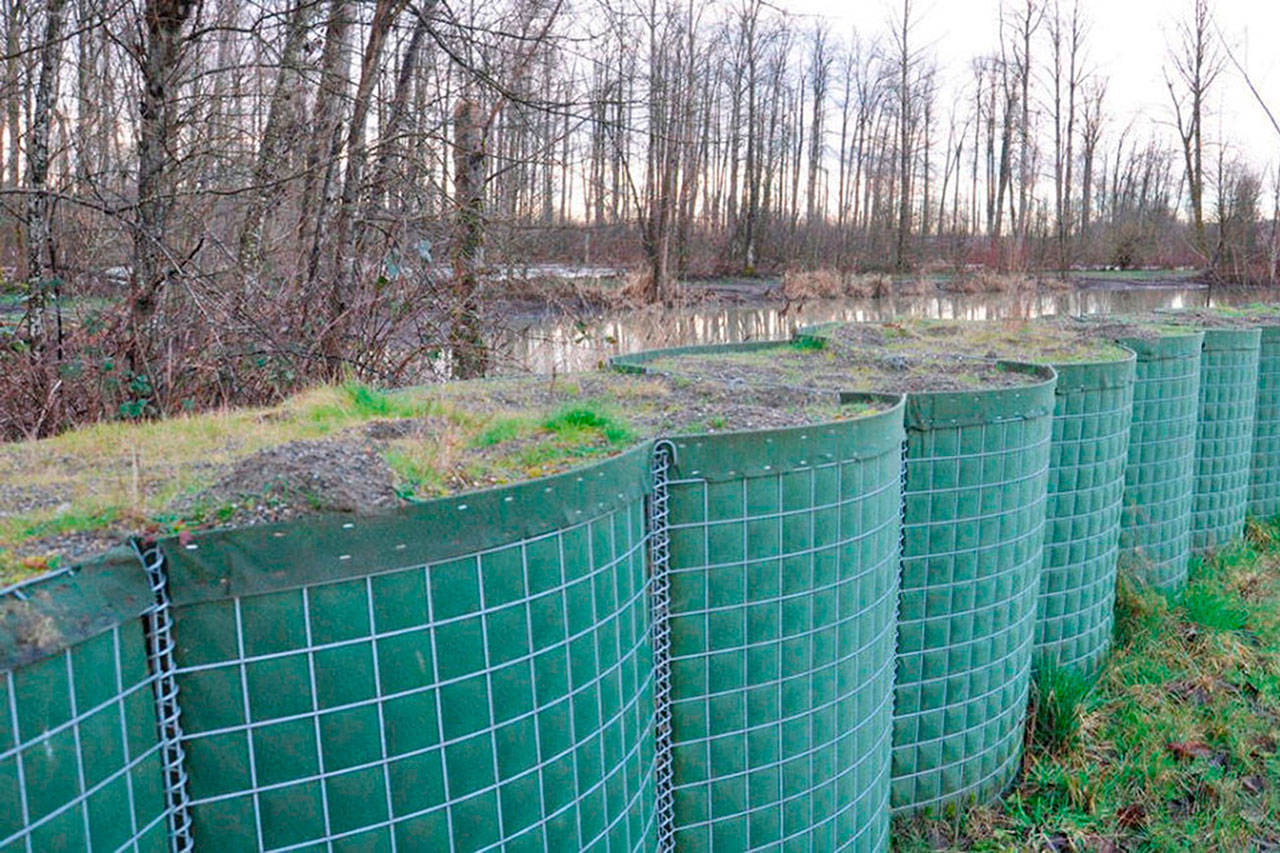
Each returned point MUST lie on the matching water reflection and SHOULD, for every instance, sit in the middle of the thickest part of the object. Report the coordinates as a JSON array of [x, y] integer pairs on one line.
[[557, 345]]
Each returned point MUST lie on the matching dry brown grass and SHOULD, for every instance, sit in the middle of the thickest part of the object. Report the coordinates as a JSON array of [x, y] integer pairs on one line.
[[636, 284], [918, 286], [833, 284], [987, 281]]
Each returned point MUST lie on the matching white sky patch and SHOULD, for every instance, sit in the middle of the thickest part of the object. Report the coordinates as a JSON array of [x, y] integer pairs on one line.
[[1127, 43]]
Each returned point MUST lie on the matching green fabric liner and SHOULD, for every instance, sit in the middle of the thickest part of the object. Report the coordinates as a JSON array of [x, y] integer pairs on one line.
[[786, 637], [718, 457], [1076, 606], [1076, 376], [937, 409], [69, 607], [1166, 347], [1155, 522], [1232, 340], [1224, 435], [971, 568], [1264, 476], [268, 558]]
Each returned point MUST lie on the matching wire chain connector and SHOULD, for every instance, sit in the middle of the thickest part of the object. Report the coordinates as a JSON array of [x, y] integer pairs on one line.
[[660, 616], [159, 628]]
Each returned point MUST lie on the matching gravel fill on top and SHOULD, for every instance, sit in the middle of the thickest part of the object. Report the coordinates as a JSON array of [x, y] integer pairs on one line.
[[1222, 318], [908, 357]]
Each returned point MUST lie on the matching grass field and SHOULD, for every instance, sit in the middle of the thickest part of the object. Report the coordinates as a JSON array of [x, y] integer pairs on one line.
[[1173, 748]]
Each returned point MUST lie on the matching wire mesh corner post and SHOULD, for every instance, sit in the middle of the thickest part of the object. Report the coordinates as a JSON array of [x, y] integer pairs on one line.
[[159, 632], [660, 603]]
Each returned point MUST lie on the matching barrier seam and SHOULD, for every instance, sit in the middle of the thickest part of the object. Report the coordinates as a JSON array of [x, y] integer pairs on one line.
[[158, 625], [660, 625]]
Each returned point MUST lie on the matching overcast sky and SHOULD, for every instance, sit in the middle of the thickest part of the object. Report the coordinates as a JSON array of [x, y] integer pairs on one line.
[[1127, 43]]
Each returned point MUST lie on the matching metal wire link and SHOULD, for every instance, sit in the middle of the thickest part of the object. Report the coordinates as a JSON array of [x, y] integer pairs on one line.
[[159, 629], [660, 604]]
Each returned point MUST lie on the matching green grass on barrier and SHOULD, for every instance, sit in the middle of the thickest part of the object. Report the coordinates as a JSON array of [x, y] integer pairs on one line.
[[1175, 748]]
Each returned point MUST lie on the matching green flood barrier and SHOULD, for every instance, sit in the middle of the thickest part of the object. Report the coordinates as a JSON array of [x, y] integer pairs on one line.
[[1226, 417], [1155, 525], [976, 479], [476, 668], [977, 466], [1092, 418], [1264, 474], [784, 587], [80, 754]]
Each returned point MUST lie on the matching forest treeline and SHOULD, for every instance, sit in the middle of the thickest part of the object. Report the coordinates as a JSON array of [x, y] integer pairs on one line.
[[208, 202]]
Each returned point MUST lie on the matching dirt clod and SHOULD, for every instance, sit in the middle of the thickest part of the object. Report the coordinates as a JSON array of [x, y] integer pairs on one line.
[[329, 476]]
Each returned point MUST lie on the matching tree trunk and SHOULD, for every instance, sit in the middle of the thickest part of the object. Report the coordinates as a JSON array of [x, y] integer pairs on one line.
[[900, 259], [152, 265], [326, 139], [277, 137], [39, 238], [466, 336]]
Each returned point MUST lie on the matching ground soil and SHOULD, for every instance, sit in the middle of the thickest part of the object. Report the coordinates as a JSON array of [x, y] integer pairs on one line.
[[911, 356], [462, 436], [868, 370], [1054, 341], [1222, 318]]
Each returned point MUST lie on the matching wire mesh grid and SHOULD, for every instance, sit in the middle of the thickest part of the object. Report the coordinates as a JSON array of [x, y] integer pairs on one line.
[[1265, 464], [1155, 524], [1264, 476], [81, 763], [1224, 436], [501, 700], [1075, 606], [784, 592], [973, 534]]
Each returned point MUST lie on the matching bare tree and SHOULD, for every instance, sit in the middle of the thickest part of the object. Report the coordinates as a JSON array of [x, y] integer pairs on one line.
[[39, 236], [905, 59], [155, 261], [1197, 63], [1091, 135], [1067, 40]]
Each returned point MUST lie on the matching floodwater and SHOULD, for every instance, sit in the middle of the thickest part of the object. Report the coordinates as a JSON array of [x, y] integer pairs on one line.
[[561, 345]]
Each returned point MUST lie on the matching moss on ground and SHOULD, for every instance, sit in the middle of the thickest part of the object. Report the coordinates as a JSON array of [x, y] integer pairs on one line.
[[1177, 747]]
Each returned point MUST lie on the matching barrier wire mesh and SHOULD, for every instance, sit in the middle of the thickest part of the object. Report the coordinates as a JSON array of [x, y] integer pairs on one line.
[[973, 534], [1075, 609], [81, 764], [1264, 476], [1155, 524], [1227, 415], [784, 590], [502, 699]]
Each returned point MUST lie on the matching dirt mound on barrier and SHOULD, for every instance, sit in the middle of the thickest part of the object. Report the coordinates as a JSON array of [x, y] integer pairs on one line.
[[305, 476]]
